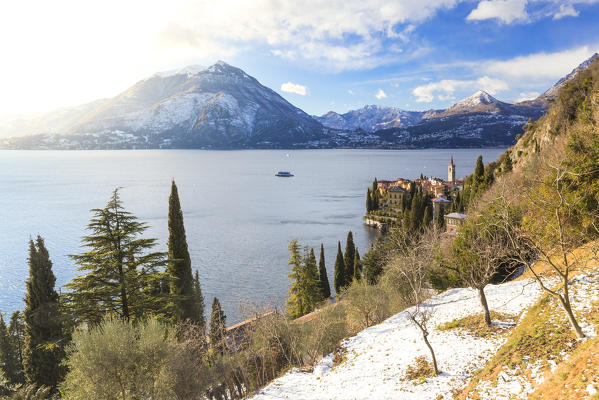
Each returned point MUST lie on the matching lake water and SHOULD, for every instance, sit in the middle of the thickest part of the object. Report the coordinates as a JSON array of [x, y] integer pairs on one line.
[[239, 217]]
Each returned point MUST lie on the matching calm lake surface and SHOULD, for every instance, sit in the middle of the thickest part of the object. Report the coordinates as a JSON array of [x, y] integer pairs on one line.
[[239, 217]]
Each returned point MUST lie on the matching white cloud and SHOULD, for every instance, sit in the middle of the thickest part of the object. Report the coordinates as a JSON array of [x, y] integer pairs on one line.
[[506, 11], [444, 90], [565, 10], [290, 87], [380, 94], [314, 31], [349, 91], [538, 66]]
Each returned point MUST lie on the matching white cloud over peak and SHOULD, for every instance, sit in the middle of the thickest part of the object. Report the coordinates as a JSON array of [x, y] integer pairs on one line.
[[505, 11], [444, 90], [527, 96], [380, 94], [290, 87]]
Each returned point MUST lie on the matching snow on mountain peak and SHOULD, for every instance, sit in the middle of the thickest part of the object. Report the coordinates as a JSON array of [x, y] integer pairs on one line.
[[188, 70], [478, 98]]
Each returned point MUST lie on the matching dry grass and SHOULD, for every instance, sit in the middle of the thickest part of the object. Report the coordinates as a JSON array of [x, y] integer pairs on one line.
[[420, 370], [475, 324], [571, 379]]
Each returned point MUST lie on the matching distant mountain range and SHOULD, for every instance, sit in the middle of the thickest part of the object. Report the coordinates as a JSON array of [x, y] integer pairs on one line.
[[221, 106]]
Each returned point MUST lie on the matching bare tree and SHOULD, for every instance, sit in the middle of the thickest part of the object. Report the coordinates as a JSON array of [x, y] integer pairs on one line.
[[407, 275], [478, 252], [557, 222]]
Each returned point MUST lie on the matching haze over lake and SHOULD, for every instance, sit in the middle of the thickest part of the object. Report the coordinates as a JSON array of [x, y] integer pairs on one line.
[[239, 217]]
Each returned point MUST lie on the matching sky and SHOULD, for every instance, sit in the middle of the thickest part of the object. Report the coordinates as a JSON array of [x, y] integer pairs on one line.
[[320, 55]]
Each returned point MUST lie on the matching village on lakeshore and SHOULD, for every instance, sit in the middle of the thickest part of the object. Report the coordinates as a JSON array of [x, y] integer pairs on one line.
[[389, 199]]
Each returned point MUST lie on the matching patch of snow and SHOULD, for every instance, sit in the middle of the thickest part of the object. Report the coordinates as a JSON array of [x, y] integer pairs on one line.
[[378, 357]]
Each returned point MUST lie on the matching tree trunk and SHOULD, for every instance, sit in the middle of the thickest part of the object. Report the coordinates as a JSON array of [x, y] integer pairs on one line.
[[483, 303], [568, 308], [425, 337]]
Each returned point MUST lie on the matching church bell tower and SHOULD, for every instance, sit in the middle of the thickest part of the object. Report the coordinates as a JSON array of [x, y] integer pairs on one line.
[[451, 171]]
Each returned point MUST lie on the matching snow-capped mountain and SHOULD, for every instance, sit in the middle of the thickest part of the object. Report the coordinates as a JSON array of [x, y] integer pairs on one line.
[[217, 106], [370, 118]]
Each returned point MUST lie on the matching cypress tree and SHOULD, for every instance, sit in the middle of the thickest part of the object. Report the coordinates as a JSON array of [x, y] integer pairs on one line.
[[9, 361], [218, 329], [375, 186], [199, 300], [357, 266], [368, 200], [339, 271], [44, 336], [440, 221], [348, 258], [16, 331], [325, 287], [428, 215], [120, 277], [185, 305]]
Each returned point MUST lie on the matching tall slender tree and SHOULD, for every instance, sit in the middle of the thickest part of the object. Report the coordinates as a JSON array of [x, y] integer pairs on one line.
[[218, 328], [121, 276], [295, 304], [325, 287], [368, 200], [310, 279], [9, 361], [44, 336], [16, 330], [357, 266], [199, 299], [348, 258], [184, 304], [339, 271]]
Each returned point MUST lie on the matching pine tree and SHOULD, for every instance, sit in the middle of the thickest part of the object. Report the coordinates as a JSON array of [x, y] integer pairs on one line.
[[185, 305], [218, 328], [325, 287], [44, 337], [339, 271], [295, 305], [9, 361], [16, 331], [199, 318], [311, 293], [357, 266], [120, 277], [348, 258]]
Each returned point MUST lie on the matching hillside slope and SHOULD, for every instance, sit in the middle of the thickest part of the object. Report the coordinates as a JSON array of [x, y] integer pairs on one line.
[[377, 358]]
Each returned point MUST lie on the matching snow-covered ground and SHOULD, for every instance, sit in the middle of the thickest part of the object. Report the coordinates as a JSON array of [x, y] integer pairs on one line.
[[378, 357]]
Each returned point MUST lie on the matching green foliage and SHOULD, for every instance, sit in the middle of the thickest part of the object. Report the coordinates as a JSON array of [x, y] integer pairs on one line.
[[120, 276], [44, 336], [218, 329], [9, 361], [348, 258], [357, 275], [374, 262], [185, 304], [323, 278], [340, 273], [305, 291], [121, 360], [16, 331]]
